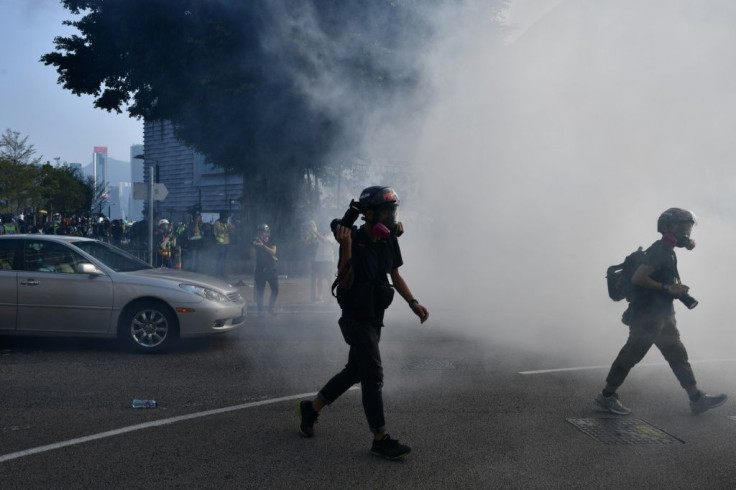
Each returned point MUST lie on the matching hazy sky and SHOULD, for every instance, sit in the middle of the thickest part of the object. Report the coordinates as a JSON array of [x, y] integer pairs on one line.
[[57, 122]]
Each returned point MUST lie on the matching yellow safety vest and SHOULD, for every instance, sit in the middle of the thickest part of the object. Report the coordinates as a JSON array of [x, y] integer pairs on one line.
[[221, 234]]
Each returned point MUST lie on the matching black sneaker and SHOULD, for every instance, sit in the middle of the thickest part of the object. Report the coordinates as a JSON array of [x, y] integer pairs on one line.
[[389, 448], [706, 402], [307, 418]]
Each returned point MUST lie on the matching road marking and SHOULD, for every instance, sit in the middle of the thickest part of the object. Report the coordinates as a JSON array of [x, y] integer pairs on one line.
[[148, 425], [608, 366]]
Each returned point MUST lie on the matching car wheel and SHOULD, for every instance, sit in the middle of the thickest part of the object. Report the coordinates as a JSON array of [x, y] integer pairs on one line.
[[148, 327]]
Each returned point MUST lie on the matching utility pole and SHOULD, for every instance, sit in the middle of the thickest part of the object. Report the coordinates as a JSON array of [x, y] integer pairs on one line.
[[150, 215]]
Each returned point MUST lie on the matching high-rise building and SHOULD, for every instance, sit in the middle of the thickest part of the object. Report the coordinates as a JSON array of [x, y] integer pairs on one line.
[[135, 206], [191, 181], [99, 166]]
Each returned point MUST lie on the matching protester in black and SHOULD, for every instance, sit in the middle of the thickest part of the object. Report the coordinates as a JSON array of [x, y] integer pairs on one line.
[[263, 250], [367, 256], [652, 316]]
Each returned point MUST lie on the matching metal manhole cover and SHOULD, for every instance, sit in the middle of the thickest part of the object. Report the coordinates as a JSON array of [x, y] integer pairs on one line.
[[428, 364], [624, 431]]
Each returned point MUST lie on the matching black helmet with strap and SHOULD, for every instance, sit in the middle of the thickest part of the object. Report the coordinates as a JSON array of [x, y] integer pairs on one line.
[[375, 196], [673, 216]]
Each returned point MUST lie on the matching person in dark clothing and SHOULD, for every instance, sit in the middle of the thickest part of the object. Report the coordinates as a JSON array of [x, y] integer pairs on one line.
[[116, 232], [651, 316], [367, 256], [263, 250], [194, 242]]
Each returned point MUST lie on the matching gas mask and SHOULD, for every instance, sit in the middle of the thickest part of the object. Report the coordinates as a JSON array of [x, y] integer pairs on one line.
[[388, 225], [679, 236]]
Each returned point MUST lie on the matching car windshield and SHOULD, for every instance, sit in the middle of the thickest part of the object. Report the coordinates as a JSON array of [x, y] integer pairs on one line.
[[113, 257]]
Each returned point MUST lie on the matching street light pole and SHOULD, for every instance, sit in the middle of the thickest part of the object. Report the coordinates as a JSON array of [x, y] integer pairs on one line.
[[150, 215]]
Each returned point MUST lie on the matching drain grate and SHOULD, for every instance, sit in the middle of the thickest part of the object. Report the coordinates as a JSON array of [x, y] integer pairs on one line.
[[624, 431], [428, 364]]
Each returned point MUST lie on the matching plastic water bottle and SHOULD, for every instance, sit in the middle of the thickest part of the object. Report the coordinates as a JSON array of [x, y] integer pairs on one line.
[[140, 403]]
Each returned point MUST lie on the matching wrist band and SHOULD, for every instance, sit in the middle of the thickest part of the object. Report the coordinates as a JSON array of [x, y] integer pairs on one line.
[[412, 301]]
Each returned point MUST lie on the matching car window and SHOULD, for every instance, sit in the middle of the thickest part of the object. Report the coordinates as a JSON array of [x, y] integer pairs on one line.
[[113, 257], [42, 256], [7, 254]]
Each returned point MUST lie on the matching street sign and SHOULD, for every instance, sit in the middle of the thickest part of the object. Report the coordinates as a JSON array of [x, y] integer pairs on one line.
[[140, 190], [160, 192]]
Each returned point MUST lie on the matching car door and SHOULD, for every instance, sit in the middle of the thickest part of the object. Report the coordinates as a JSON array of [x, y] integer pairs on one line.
[[53, 297], [8, 284]]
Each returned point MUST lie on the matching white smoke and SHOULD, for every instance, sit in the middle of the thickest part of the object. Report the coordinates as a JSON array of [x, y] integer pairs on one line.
[[549, 157]]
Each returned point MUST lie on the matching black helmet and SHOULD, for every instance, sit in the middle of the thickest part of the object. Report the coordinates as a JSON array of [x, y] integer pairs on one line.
[[263, 227], [673, 216], [375, 196]]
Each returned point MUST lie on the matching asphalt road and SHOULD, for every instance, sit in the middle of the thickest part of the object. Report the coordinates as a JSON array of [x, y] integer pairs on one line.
[[472, 419]]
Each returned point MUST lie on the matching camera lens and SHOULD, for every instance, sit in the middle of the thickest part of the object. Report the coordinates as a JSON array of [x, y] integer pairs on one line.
[[689, 301]]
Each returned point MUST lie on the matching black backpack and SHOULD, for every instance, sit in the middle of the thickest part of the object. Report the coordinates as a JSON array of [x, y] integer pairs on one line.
[[619, 276]]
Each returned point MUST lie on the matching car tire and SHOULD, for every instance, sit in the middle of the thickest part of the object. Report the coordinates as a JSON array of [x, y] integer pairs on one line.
[[148, 327]]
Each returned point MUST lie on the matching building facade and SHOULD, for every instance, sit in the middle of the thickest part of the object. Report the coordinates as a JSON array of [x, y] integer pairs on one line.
[[189, 179]]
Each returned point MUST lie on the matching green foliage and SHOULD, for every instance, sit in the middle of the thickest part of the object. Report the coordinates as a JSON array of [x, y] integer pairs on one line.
[[240, 80], [269, 89], [27, 186], [16, 150]]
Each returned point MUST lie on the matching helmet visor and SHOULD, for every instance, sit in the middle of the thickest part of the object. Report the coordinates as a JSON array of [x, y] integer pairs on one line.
[[387, 214]]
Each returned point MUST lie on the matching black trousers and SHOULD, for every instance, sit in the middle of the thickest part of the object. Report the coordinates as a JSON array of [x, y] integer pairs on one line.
[[260, 278], [222, 250], [364, 367], [644, 332]]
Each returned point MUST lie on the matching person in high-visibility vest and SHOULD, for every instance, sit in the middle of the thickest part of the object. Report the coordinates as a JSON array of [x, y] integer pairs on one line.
[[166, 241], [180, 235], [222, 229], [9, 227]]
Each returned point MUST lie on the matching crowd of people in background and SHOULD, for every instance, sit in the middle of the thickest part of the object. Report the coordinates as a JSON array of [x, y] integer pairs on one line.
[[196, 245], [97, 227]]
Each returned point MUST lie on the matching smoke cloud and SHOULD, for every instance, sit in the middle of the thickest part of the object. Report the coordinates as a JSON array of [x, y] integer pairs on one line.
[[545, 158], [545, 138]]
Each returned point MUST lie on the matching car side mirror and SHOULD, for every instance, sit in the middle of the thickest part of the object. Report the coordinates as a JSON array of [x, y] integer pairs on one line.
[[87, 268]]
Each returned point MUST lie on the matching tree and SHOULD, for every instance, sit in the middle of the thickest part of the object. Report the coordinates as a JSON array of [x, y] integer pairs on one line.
[[17, 150], [28, 186], [266, 88], [64, 190]]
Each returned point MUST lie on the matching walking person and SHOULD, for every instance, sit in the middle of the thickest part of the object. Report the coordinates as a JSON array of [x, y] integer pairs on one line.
[[263, 250], [651, 316], [367, 256]]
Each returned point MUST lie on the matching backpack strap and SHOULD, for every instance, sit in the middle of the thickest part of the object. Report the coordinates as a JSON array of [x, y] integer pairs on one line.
[[339, 277]]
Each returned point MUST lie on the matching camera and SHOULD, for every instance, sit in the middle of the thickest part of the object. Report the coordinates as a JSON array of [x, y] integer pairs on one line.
[[688, 301], [349, 218]]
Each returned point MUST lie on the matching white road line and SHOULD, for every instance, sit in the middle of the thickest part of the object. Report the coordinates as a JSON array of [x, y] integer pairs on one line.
[[148, 425], [608, 366]]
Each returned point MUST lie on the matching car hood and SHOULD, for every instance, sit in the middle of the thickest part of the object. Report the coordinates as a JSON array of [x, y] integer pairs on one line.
[[183, 276]]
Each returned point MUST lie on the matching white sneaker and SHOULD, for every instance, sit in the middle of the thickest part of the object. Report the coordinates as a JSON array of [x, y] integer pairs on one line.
[[611, 404], [706, 402]]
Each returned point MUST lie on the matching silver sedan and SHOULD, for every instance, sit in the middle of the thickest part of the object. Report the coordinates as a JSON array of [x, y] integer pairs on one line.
[[68, 285]]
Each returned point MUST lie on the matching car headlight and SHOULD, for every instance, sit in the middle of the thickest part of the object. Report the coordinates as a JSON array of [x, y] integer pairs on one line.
[[210, 294]]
